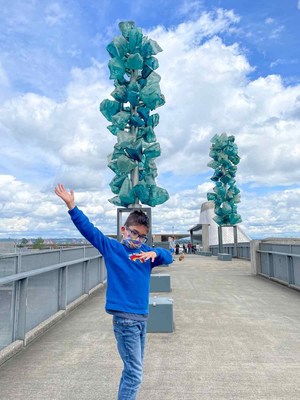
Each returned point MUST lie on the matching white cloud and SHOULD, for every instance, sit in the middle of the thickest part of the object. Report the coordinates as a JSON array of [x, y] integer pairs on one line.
[[54, 14], [273, 214], [190, 8], [269, 21], [208, 91]]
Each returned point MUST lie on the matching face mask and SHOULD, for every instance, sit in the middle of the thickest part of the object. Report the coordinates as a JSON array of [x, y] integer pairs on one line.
[[132, 243]]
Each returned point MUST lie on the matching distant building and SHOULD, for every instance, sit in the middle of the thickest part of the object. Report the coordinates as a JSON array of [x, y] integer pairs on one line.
[[206, 232], [7, 247]]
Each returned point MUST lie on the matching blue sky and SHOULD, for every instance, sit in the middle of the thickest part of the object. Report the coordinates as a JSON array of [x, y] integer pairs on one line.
[[226, 66]]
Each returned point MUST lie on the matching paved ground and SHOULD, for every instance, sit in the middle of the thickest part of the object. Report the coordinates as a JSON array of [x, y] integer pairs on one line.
[[236, 337]]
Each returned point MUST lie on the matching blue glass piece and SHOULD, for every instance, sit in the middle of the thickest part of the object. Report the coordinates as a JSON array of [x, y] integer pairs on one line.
[[151, 95], [149, 47], [135, 37], [118, 47], [144, 113], [141, 190], [120, 94], [157, 196], [125, 27], [113, 166], [136, 121], [125, 164], [109, 108], [117, 68], [125, 138], [153, 150], [135, 150], [121, 119], [153, 120], [117, 182], [149, 135], [150, 64], [225, 179], [113, 129], [118, 151], [126, 193], [211, 196], [116, 201], [134, 61], [142, 82], [133, 93], [133, 98]]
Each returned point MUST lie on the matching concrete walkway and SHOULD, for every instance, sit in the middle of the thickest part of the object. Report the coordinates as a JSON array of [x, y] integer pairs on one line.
[[236, 336]]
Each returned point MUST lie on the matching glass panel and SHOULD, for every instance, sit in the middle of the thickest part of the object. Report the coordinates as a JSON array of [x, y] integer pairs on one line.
[[94, 273], [38, 260], [42, 298], [75, 282], [8, 266], [296, 265], [6, 315], [280, 267], [72, 254]]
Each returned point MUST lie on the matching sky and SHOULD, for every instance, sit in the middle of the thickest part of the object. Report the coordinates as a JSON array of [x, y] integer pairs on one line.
[[227, 66]]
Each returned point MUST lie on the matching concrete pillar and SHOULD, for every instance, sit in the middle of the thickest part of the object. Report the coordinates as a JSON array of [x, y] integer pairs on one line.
[[205, 237], [255, 257]]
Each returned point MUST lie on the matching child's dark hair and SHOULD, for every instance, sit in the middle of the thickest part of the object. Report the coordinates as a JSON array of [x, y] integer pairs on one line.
[[137, 217]]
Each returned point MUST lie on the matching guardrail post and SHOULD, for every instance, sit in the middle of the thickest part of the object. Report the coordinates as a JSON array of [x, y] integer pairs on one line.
[[255, 257], [21, 307], [86, 277], [291, 275], [235, 242], [63, 288], [271, 265]]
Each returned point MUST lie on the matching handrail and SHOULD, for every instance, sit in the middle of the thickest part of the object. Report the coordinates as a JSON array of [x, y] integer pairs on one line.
[[65, 301], [278, 253], [39, 271]]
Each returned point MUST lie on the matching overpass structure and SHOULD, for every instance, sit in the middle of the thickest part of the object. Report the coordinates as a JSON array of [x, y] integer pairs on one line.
[[236, 333]]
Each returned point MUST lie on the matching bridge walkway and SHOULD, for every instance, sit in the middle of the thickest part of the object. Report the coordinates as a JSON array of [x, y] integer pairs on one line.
[[237, 336]]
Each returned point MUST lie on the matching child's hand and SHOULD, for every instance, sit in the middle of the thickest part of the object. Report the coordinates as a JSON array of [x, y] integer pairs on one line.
[[67, 197], [147, 255]]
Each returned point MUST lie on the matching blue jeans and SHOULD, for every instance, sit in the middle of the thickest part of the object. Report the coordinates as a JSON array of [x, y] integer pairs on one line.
[[131, 338]]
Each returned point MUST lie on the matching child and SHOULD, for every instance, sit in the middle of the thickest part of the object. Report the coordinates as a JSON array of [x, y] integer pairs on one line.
[[128, 265]]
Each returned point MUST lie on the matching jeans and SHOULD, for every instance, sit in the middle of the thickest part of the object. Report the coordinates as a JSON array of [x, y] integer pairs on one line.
[[131, 338]]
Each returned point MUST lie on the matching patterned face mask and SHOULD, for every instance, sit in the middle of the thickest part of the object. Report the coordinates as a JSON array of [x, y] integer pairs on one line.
[[132, 243]]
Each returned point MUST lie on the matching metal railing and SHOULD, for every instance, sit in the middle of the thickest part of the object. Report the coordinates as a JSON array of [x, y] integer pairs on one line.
[[36, 286], [280, 262], [243, 250]]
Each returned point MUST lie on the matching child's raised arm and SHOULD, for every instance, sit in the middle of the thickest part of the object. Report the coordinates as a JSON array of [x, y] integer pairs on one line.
[[67, 197]]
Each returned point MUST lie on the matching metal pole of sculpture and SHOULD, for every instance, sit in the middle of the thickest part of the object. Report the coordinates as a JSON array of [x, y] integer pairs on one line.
[[136, 94], [225, 158]]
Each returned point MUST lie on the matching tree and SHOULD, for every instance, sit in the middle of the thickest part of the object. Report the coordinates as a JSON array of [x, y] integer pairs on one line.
[[24, 242], [38, 244]]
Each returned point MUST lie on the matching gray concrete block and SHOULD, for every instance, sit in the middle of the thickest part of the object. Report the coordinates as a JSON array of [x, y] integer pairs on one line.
[[160, 315], [204, 253], [224, 257], [160, 283]]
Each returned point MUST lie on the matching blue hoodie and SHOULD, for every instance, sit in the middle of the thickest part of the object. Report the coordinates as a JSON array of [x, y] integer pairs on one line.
[[128, 278]]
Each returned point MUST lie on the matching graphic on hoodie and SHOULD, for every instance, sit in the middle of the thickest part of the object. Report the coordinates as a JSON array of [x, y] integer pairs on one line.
[[136, 257]]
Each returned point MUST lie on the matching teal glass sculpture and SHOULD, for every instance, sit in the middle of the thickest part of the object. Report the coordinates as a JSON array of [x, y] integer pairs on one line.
[[225, 195], [136, 94]]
